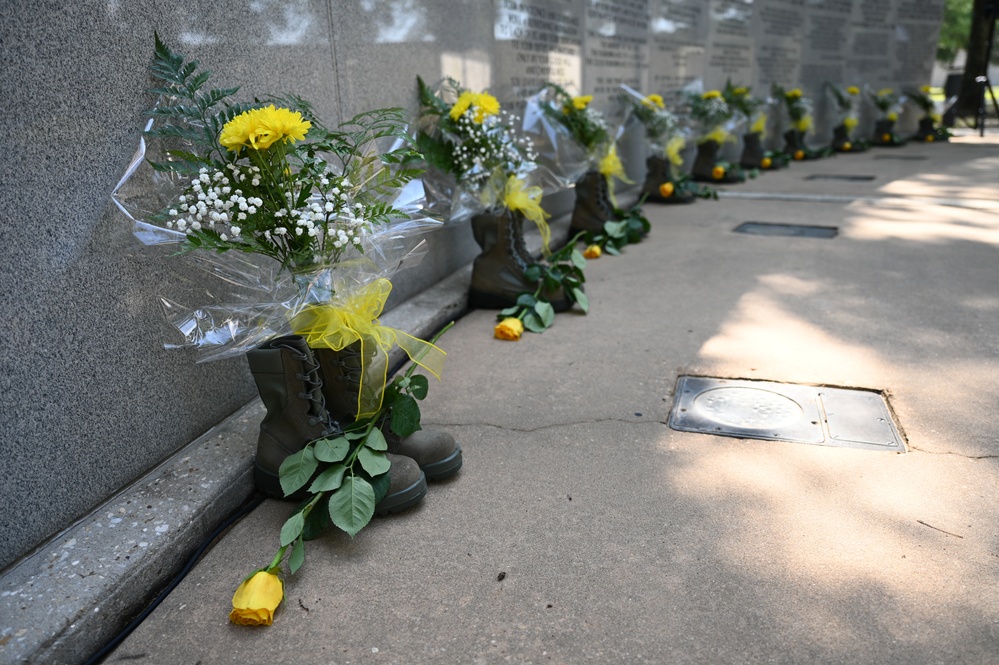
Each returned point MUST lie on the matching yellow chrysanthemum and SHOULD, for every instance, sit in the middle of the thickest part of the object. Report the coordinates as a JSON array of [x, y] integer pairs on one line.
[[261, 128], [654, 100], [485, 105], [464, 102], [711, 94], [884, 92], [803, 124], [740, 92], [793, 94], [850, 123], [581, 102], [853, 90], [892, 116]]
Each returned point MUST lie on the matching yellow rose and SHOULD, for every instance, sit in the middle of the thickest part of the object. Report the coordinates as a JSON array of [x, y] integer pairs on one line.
[[799, 155], [510, 328], [718, 172], [666, 190], [766, 162], [886, 138], [847, 146], [654, 100], [853, 90], [929, 138], [580, 103], [593, 251], [711, 94], [255, 600]]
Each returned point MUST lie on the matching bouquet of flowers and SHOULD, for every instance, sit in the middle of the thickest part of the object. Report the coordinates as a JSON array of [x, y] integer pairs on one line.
[[332, 213], [888, 106], [665, 182], [716, 121], [747, 111], [799, 111], [930, 129], [465, 136], [845, 101], [596, 214]]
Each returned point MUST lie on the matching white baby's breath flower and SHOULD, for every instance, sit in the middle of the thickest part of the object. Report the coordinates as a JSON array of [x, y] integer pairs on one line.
[[235, 230]]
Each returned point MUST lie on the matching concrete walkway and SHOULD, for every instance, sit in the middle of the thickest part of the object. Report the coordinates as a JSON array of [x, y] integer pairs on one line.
[[584, 530]]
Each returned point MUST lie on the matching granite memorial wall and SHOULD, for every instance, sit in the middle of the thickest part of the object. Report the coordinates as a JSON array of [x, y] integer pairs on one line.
[[90, 399]]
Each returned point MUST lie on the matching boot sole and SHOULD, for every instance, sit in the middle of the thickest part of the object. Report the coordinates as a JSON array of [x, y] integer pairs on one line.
[[482, 300], [270, 484], [444, 468]]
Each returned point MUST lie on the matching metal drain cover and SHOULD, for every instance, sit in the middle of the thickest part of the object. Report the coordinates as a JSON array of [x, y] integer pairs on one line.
[[798, 230], [834, 176], [784, 412]]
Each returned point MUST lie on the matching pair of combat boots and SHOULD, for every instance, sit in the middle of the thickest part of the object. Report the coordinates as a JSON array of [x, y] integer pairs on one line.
[[309, 393]]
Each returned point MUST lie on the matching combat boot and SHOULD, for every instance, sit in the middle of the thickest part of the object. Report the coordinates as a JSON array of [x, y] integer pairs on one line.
[[658, 174], [287, 376], [593, 205], [434, 451]]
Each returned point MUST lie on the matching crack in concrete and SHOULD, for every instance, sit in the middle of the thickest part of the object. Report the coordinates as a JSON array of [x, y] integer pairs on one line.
[[913, 448]]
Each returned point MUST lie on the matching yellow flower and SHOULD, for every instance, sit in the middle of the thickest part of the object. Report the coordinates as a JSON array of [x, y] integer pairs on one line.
[[766, 162], [936, 118], [847, 146], [799, 155], [510, 328], [850, 123], [654, 100], [711, 94], [853, 90], [581, 102], [892, 116], [739, 92], [793, 94], [718, 172], [803, 124], [255, 600], [884, 92], [929, 138], [593, 251], [926, 89], [485, 105], [261, 128], [886, 138], [666, 190]]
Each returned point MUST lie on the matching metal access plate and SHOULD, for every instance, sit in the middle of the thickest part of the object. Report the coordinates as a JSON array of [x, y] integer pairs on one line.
[[798, 230], [784, 412], [836, 176]]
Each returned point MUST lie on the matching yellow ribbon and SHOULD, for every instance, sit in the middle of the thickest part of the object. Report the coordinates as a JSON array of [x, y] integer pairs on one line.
[[718, 135], [673, 149], [519, 197], [354, 318], [760, 124], [611, 167], [803, 124]]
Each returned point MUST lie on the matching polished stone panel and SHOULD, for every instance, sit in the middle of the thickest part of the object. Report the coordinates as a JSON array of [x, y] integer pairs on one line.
[[778, 33], [731, 49], [616, 48], [678, 32]]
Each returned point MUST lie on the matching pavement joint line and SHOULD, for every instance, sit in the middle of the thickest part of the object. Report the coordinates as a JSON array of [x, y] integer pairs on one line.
[[974, 204], [634, 421]]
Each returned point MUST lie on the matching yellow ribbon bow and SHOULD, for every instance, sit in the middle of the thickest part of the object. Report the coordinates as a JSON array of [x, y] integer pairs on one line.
[[674, 148], [611, 167], [803, 124], [527, 200], [760, 124], [718, 135], [354, 318]]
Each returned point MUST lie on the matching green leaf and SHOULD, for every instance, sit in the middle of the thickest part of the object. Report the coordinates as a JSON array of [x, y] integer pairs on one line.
[[317, 521], [297, 557], [405, 416], [581, 300], [612, 250], [578, 259], [616, 229], [380, 484], [509, 311], [332, 450], [354, 435], [353, 505], [545, 312], [292, 528], [533, 273], [376, 440], [373, 461], [533, 323], [329, 480], [419, 386], [296, 470], [526, 300]]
